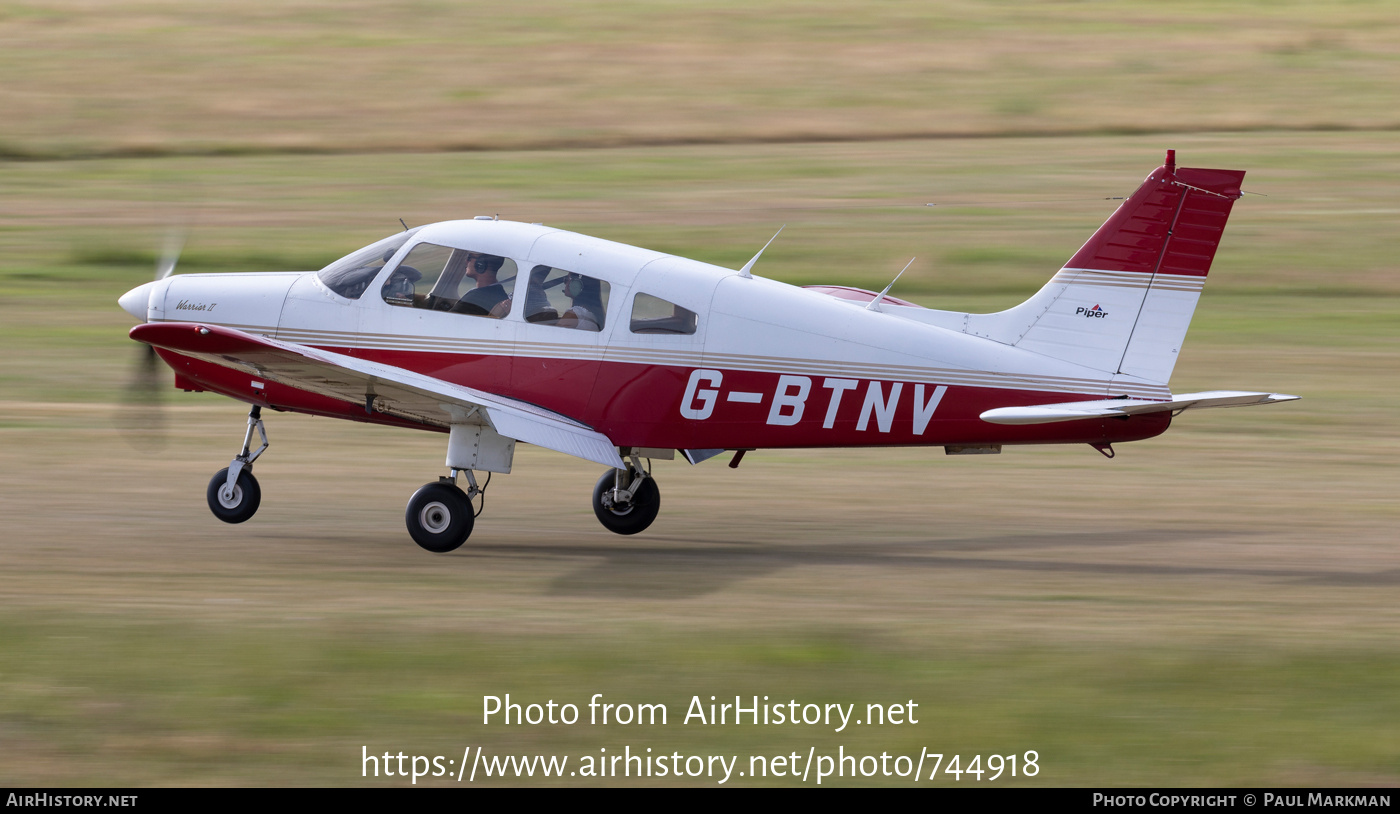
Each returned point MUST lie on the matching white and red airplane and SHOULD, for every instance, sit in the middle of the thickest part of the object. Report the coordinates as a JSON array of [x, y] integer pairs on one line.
[[497, 332]]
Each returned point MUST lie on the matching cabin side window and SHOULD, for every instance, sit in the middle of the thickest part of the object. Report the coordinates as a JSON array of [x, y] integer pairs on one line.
[[653, 315], [566, 299], [459, 281]]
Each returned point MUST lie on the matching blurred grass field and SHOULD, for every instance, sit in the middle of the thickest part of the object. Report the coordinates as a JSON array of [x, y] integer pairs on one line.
[[99, 78], [1215, 606]]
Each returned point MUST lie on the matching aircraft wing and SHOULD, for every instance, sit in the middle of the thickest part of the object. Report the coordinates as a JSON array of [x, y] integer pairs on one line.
[[1112, 408], [384, 388]]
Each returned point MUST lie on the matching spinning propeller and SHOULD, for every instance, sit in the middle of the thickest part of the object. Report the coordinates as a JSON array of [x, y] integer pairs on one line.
[[141, 417]]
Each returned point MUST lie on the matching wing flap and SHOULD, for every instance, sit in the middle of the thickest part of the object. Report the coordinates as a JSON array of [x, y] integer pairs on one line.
[[383, 388], [1118, 408]]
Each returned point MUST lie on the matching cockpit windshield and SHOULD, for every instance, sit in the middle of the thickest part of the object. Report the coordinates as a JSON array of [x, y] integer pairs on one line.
[[351, 275]]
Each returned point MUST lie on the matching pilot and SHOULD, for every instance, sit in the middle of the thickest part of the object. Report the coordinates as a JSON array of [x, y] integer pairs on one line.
[[487, 297], [398, 289], [587, 312]]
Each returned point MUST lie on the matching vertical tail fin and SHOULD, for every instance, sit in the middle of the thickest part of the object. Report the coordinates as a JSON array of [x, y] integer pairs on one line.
[[1123, 302]]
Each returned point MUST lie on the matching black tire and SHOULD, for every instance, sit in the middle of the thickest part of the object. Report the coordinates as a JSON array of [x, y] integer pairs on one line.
[[633, 518], [439, 517], [244, 502]]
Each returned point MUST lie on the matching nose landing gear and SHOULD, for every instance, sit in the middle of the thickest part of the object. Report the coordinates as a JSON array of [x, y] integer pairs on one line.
[[236, 503], [233, 494]]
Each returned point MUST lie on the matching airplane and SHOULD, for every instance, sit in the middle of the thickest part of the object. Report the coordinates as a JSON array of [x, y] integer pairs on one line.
[[496, 333]]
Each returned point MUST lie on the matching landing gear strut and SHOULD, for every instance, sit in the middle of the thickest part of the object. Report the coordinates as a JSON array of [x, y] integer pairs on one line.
[[234, 494], [440, 515], [626, 501]]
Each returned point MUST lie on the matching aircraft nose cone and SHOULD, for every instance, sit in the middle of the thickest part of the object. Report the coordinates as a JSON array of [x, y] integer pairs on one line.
[[137, 300]]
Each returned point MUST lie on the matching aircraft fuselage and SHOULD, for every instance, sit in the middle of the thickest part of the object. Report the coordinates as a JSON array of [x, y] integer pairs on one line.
[[768, 364]]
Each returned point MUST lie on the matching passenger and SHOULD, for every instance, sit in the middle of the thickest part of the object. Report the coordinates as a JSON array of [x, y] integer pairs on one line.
[[488, 295], [587, 313]]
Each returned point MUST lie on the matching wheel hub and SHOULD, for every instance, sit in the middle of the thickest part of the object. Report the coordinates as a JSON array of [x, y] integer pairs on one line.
[[435, 517], [230, 497], [617, 506]]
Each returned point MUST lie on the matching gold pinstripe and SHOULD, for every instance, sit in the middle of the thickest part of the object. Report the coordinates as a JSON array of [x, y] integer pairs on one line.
[[1129, 279], [694, 359]]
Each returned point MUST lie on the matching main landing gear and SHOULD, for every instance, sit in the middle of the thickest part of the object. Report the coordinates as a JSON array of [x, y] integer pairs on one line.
[[626, 501], [440, 515], [233, 494]]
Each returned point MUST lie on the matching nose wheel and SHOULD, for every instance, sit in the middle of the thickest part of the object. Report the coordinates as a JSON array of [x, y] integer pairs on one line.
[[626, 501], [233, 494], [237, 502]]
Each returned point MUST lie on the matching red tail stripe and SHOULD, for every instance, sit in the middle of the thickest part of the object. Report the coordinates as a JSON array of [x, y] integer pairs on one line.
[[1133, 238]]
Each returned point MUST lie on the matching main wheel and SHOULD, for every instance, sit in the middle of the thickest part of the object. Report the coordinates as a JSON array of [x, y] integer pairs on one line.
[[631, 517], [439, 517], [237, 504]]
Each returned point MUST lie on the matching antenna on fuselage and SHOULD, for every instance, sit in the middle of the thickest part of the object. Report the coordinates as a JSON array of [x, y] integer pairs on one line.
[[404, 225], [744, 272], [881, 295]]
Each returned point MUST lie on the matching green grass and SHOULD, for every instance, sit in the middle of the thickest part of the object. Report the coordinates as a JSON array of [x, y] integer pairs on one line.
[[296, 702]]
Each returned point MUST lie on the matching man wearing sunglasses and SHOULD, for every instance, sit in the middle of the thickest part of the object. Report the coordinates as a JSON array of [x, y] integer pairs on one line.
[[489, 296]]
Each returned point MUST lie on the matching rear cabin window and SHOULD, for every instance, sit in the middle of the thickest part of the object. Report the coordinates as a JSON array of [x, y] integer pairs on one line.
[[566, 299], [459, 281], [653, 315]]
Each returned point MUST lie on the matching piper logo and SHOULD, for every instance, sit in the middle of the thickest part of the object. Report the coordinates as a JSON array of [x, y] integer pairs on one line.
[[1090, 313]]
